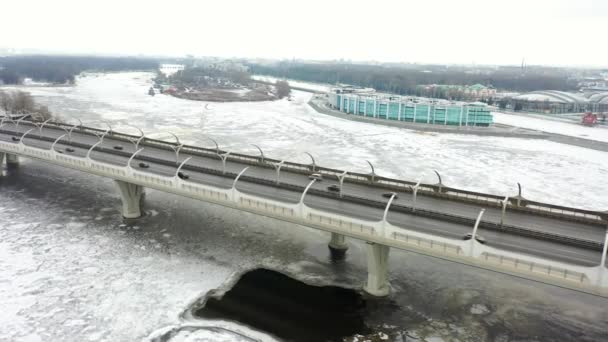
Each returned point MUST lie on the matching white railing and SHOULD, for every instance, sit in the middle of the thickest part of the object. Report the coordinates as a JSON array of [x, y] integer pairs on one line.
[[469, 252]]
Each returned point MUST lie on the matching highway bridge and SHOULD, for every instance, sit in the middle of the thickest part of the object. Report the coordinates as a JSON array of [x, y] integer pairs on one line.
[[549, 243]]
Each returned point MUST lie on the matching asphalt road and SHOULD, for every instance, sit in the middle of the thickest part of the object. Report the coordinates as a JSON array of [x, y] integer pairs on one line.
[[503, 240]]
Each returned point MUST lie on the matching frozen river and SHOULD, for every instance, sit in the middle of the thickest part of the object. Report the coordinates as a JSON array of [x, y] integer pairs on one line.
[[70, 270]]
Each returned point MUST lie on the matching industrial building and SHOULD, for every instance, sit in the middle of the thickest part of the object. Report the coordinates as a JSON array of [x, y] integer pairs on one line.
[[559, 102], [410, 109]]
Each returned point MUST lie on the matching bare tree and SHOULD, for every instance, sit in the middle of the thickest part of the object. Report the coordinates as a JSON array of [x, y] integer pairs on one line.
[[282, 89]]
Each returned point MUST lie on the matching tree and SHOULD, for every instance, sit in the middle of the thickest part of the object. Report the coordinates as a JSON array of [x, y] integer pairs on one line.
[[282, 89]]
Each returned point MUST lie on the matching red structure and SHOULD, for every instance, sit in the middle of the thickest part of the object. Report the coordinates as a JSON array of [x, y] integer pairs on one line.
[[589, 119]]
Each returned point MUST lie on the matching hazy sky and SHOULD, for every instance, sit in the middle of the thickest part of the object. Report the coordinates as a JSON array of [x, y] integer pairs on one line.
[[559, 32]]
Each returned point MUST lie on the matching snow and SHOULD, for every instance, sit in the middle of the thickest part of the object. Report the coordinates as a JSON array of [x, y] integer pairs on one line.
[[319, 87], [66, 276], [551, 126]]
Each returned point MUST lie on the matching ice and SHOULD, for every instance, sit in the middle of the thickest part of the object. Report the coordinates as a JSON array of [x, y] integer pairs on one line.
[[550, 126]]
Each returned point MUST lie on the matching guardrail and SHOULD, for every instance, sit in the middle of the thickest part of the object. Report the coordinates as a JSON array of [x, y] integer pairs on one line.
[[589, 279], [432, 190]]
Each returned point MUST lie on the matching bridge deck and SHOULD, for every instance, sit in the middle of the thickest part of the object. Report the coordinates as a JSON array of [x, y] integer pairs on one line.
[[368, 204]]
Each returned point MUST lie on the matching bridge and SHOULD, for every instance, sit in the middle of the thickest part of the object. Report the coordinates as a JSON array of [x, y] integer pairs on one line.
[[514, 235]]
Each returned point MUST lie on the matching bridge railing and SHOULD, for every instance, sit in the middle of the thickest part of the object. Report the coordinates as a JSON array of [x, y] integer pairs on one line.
[[434, 190], [470, 251]]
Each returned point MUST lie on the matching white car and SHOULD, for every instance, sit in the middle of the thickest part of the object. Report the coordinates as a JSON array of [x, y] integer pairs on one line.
[[316, 176]]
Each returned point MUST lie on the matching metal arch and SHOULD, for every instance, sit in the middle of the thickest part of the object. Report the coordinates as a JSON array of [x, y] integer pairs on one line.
[[137, 141], [133, 156], [277, 167], [477, 224], [518, 189], [181, 165], [341, 180], [55, 142], [224, 158], [176, 138], [19, 120], [314, 164], [217, 147], [504, 209], [261, 152], [438, 176], [373, 171], [238, 176], [306, 190], [23, 136], [604, 252], [388, 205], [80, 122], [415, 193], [92, 147], [41, 126], [110, 131]]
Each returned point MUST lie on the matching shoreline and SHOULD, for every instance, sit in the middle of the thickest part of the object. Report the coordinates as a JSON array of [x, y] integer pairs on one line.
[[501, 130]]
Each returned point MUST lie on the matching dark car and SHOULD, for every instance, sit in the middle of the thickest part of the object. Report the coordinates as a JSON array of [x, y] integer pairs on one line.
[[389, 194], [69, 149], [479, 238], [183, 175], [118, 148], [333, 187], [15, 138], [143, 165]]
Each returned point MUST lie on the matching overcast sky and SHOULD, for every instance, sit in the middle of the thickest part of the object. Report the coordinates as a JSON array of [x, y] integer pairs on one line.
[[555, 32]]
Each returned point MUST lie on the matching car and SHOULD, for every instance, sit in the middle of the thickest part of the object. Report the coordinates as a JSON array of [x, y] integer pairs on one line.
[[60, 151], [143, 165], [183, 175], [479, 238], [15, 139], [118, 148], [69, 149], [333, 187], [316, 176], [389, 194]]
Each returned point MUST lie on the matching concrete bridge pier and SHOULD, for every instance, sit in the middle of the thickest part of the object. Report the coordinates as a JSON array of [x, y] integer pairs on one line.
[[377, 270], [337, 246], [12, 160], [131, 195]]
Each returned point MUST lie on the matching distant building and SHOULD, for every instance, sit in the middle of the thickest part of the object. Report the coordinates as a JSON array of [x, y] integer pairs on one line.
[[170, 69], [558, 102], [410, 109], [474, 92]]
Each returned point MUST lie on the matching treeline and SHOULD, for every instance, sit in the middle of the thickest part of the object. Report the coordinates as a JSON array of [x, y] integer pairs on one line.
[[207, 77], [404, 81], [64, 69]]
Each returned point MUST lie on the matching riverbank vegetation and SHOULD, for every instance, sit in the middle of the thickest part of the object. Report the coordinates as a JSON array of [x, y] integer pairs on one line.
[[220, 85], [411, 79], [20, 102], [64, 69]]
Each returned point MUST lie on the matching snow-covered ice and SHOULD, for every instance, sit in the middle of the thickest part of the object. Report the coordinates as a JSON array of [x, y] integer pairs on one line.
[[551, 126]]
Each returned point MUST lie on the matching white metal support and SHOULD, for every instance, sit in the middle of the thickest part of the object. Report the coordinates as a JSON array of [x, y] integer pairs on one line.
[[440, 184], [224, 157], [262, 159], [460, 119], [41, 126], [217, 147], [92, 147], [180, 167], [301, 202], [314, 165], [385, 215], [602, 268], [55, 142], [373, 173], [428, 114], [277, 167], [133, 156], [23, 136], [415, 193], [504, 210], [233, 189], [19, 120], [518, 194], [341, 180], [477, 223]]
